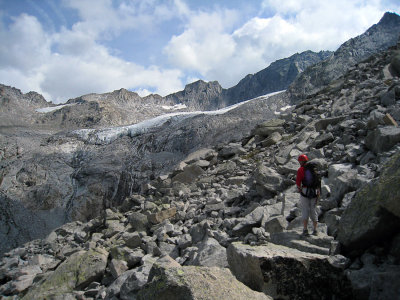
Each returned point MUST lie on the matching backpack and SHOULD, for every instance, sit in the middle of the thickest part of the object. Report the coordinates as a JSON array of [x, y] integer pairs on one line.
[[312, 180]]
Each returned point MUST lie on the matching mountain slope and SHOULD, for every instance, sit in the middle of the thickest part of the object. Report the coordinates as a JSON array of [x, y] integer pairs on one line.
[[377, 38], [276, 77]]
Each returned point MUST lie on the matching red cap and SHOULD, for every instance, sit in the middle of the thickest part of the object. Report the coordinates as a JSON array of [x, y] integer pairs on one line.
[[302, 158]]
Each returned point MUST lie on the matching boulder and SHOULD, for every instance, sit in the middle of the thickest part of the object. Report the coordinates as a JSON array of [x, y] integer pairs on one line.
[[132, 239], [268, 179], [251, 220], [323, 140], [172, 282], [272, 139], [199, 231], [276, 224], [347, 182], [231, 149], [135, 279], [160, 216], [324, 123], [77, 272], [382, 139], [388, 98], [189, 174], [210, 254], [138, 221], [118, 267], [395, 63], [201, 154], [268, 127], [374, 214], [287, 273]]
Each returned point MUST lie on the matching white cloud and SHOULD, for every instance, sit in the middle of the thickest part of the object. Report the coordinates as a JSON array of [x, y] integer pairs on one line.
[[72, 62], [208, 47], [24, 45], [204, 43]]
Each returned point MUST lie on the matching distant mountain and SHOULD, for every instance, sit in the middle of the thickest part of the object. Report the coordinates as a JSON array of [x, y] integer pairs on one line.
[[122, 107], [278, 76], [16, 108], [377, 38]]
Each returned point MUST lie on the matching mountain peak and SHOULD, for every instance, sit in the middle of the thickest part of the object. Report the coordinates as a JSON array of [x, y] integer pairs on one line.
[[389, 18], [201, 84]]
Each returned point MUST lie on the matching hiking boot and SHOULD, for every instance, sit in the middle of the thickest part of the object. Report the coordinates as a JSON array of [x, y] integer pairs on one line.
[[305, 232], [315, 232]]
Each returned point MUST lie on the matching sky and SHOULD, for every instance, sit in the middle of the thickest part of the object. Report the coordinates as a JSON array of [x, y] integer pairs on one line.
[[63, 49]]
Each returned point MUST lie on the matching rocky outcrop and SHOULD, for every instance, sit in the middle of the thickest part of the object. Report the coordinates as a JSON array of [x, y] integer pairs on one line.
[[374, 213], [199, 95], [283, 272], [176, 282]]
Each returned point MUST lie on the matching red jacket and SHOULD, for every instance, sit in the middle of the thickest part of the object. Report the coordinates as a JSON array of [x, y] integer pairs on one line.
[[300, 176]]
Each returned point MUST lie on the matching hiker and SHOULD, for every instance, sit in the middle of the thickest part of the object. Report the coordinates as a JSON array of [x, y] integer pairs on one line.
[[309, 189]]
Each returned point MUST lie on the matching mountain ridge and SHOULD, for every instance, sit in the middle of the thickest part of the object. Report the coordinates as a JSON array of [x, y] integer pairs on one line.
[[377, 38]]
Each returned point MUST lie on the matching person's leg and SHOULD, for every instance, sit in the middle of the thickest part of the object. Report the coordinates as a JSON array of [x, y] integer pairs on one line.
[[314, 215], [305, 212]]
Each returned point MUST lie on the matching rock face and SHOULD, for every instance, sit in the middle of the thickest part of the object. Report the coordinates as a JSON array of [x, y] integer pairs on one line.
[[199, 95], [276, 77]]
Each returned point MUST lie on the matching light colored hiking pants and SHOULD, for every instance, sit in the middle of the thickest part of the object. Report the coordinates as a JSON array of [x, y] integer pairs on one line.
[[308, 208]]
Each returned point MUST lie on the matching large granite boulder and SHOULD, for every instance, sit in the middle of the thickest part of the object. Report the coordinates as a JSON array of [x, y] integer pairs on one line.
[[189, 174], [210, 254], [374, 213], [77, 272], [169, 281], [395, 63], [286, 273], [268, 181], [268, 127], [383, 139]]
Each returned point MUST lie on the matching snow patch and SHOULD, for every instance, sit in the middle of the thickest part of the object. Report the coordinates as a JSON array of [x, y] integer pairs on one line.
[[282, 109], [175, 107], [51, 108]]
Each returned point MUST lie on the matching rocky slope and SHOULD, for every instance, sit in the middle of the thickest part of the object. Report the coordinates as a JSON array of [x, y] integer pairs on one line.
[[55, 178], [235, 206]]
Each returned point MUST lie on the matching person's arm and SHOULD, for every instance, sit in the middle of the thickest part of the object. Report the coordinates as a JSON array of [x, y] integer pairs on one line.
[[299, 178]]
